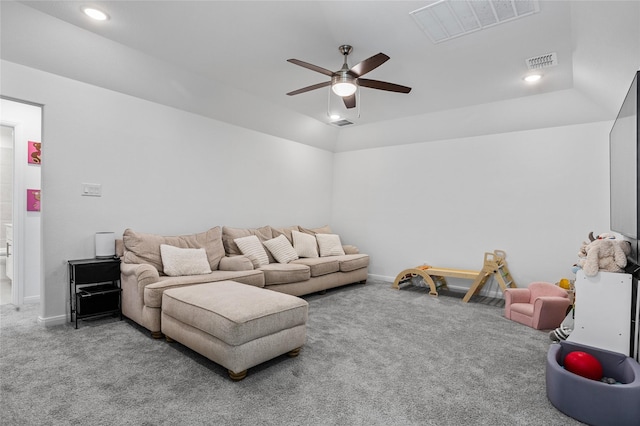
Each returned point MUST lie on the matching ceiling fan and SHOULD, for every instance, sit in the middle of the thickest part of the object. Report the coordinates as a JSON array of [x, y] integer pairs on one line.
[[346, 81]]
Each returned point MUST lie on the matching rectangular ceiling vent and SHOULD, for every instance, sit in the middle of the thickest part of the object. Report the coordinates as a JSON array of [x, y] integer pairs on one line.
[[447, 19], [341, 123], [542, 61]]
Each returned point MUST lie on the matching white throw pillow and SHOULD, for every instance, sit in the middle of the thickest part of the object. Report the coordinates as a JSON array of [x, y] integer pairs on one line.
[[305, 244], [252, 248], [330, 245], [177, 262], [281, 249]]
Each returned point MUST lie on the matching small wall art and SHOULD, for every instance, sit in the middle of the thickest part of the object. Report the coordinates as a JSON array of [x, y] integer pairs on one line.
[[35, 152], [33, 200]]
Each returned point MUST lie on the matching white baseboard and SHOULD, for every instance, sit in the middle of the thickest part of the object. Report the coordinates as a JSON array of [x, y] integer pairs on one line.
[[51, 321], [31, 299], [382, 278]]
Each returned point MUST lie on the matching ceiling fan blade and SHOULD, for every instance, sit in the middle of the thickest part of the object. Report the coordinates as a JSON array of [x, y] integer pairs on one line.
[[311, 67], [383, 85], [350, 101], [369, 64], [309, 88]]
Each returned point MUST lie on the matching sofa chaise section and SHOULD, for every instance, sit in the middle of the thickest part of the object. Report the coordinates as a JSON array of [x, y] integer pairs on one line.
[[142, 289]]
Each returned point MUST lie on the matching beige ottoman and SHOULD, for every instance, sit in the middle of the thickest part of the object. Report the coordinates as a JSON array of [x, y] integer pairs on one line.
[[235, 325]]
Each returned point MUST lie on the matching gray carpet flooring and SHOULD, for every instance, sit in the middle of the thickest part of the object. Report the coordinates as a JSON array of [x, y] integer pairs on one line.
[[374, 356]]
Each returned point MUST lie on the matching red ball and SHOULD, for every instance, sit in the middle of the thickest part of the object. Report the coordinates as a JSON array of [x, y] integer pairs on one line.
[[583, 364]]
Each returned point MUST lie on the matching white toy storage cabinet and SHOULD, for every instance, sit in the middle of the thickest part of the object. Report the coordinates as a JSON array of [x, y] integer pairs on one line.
[[606, 313]]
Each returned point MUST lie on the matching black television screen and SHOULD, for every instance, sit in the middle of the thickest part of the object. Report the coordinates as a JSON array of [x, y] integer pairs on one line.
[[623, 166]]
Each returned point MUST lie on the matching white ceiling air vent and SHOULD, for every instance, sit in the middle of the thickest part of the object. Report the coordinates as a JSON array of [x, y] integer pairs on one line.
[[447, 19], [341, 123], [542, 61]]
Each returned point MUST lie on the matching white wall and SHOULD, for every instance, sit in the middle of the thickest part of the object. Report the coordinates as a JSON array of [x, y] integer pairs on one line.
[[26, 121], [162, 170], [535, 194]]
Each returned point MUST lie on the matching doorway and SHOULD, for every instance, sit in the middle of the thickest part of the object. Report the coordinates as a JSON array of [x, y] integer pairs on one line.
[[6, 213], [21, 128]]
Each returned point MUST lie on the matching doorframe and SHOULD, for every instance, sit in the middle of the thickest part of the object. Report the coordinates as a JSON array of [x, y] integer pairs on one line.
[[17, 289], [19, 201]]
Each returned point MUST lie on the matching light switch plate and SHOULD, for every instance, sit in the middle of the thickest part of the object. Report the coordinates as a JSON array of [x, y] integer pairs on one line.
[[91, 190]]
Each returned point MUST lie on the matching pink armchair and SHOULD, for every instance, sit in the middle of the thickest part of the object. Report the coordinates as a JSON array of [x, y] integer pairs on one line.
[[542, 305]]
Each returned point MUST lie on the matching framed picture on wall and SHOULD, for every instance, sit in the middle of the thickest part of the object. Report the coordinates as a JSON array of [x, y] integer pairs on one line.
[[35, 152], [33, 200]]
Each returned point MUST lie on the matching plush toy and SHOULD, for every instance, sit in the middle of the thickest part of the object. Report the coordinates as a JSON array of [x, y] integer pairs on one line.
[[605, 253]]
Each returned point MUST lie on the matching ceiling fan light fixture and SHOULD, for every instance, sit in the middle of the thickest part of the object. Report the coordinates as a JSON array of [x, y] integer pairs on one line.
[[343, 85], [344, 89], [345, 82]]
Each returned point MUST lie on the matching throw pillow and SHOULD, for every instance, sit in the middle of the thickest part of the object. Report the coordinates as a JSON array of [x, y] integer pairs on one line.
[[178, 262], [252, 248], [305, 244], [281, 249], [330, 245]]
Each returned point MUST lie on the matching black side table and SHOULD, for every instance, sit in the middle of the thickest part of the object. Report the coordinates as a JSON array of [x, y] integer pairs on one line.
[[94, 288]]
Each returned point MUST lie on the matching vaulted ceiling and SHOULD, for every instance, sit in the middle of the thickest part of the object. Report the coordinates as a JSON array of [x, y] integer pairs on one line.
[[227, 60]]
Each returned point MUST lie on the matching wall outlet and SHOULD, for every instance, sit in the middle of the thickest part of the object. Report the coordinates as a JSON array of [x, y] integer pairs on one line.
[[91, 190]]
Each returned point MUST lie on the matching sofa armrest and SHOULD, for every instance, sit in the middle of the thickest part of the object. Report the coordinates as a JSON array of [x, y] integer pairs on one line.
[[553, 301], [516, 295], [119, 247], [349, 249], [549, 311], [235, 263], [145, 274], [134, 278]]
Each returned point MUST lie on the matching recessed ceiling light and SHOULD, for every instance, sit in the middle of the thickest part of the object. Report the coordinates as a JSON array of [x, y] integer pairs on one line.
[[334, 117], [532, 78], [94, 13]]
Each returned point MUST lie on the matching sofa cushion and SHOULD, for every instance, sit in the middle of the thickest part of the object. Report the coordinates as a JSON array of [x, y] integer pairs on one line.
[[153, 292], [230, 234], [352, 262], [285, 273], [281, 249], [350, 249], [285, 231], [184, 261], [320, 265], [305, 244], [145, 248], [313, 231], [235, 263], [330, 245], [251, 247]]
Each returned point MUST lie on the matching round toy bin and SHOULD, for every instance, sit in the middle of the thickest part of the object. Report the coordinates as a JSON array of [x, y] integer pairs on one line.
[[592, 401]]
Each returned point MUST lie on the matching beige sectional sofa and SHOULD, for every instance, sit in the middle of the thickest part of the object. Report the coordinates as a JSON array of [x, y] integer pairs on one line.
[[152, 264]]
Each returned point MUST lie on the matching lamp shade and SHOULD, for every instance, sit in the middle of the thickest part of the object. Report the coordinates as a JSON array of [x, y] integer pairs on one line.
[[105, 244]]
